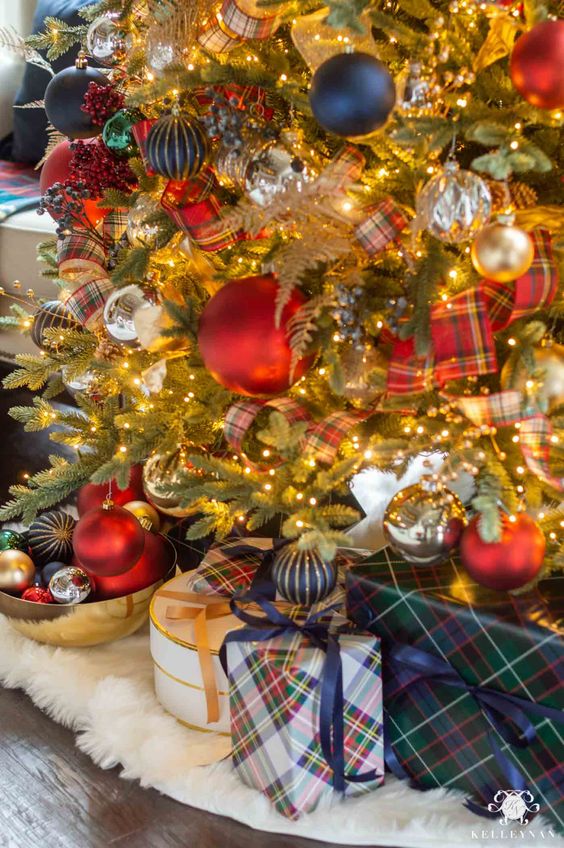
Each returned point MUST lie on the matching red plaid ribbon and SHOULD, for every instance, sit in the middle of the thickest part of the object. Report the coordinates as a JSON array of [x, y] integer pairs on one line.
[[535, 432], [140, 131], [115, 224], [462, 329], [384, 224], [322, 439], [88, 301], [80, 253], [246, 98]]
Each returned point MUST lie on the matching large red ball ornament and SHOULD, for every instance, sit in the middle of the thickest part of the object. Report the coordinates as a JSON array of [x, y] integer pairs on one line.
[[240, 344], [94, 494], [153, 565], [509, 563], [57, 170], [108, 540], [537, 65]]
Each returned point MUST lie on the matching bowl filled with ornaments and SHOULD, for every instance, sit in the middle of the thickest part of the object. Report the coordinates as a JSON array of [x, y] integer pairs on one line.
[[81, 582]]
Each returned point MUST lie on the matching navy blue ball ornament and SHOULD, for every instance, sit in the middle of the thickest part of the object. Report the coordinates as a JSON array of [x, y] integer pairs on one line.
[[352, 94], [49, 570], [64, 98], [50, 537], [52, 315], [177, 147], [303, 577]]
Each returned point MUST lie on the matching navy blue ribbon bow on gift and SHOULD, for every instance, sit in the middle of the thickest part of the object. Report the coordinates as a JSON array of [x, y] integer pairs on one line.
[[499, 708], [331, 710]]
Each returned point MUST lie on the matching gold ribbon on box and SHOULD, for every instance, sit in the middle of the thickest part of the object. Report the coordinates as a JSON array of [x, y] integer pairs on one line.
[[205, 608]]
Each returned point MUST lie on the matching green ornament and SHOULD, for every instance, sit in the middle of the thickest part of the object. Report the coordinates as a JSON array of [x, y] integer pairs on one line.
[[12, 541], [117, 133]]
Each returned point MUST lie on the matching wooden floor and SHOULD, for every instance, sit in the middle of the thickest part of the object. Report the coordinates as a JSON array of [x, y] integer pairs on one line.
[[51, 794]]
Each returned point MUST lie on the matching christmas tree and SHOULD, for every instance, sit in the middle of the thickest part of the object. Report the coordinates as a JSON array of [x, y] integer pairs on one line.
[[296, 241]]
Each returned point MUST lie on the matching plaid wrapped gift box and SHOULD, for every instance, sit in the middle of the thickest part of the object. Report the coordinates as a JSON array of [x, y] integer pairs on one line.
[[511, 644], [229, 567], [275, 698]]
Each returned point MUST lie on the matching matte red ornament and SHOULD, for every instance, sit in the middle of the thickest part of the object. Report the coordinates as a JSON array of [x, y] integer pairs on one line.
[[508, 564], [153, 565], [537, 65], [239, 342], [108, 540], [57, 170], [93, 494], [38, 595]]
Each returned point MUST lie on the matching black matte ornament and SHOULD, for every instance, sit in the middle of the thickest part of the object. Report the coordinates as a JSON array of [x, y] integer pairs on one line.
[[176, 147], [49, 316], [50, 537], [64, 98], [352, 94]]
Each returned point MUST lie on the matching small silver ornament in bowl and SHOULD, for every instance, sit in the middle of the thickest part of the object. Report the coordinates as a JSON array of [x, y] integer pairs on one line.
[[120, 309], [423, 522], [454, 205], [70, 585]]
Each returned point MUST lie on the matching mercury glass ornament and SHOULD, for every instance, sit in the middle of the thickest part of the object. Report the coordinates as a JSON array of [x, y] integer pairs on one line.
[[423, 522], [365, 370], [303, 577], [455, 204], [146, 515], [117, 133], [160, 52], [264, 168], [107, 41], [70, 585], [12, 541], [160, 472], [140, 231], [83, 383], [120, 309]]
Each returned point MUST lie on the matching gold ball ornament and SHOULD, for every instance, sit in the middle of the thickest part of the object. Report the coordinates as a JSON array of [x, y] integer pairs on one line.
[[147, 515], [502, 252], [546, 383], [16, 571], [160, 472]]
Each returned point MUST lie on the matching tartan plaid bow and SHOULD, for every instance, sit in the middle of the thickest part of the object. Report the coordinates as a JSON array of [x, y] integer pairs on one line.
[[234, 24], [322, 438], [384, 223], [462, 329], [504, 409]]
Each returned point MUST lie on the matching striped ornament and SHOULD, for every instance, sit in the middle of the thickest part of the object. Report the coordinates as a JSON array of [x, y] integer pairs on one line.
[[52, 315], [303, 577], [176, 147], [50, 537]]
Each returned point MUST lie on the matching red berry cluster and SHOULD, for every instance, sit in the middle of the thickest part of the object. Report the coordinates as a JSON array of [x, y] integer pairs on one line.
[[97, 167], [101, 102]]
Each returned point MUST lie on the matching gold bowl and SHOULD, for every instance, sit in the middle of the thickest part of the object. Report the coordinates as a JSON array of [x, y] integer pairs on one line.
[[86, 624]]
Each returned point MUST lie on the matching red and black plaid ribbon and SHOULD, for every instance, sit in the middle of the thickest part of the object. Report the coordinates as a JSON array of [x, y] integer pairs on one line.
[[462, 329]]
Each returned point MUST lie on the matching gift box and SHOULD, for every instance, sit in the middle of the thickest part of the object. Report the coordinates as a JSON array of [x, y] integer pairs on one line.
[[187, 630], [279, 735], [459, 661], [230, 567]]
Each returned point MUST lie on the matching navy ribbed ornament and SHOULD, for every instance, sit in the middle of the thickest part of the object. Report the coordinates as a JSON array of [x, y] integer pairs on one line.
[[352, 94], [177, 147], [50, 537], [64, 98], [52, 315], [303, 577]]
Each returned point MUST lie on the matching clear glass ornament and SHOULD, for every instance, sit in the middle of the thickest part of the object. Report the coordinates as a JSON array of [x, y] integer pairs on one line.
[[365, 371], [140, 232], [107, 41], [70, 585], [265, 168], [84, 383], [160, 54], [119, 313], [455, 204]]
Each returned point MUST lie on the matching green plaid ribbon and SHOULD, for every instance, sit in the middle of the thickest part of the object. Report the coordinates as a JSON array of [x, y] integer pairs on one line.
[[462, 329], [504, 409], [384, 223]]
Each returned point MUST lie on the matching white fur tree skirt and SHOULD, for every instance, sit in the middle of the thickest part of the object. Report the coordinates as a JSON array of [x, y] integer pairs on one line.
[[106, 696]]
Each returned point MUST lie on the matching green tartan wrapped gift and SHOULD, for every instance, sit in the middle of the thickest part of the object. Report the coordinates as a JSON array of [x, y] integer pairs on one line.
[[441, 734]]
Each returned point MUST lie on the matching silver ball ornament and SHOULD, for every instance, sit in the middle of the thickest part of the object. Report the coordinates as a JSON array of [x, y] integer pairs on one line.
[[423, 522], [70, 585], [120, 309], [140, 232], [107, 41], [454, 205]]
